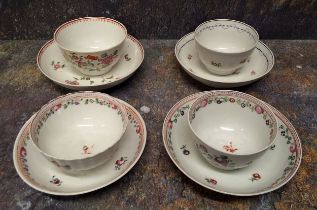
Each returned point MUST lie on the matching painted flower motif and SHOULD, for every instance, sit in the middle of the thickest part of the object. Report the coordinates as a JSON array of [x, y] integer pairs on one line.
[[170, 124], [57, 107], [185, 150], [93, 62], [57, 65], [255, 177], [107, 60], [87, 149], [230, 148], [91, 57], [126, 57], [114, 106], [23, 152], [259, 110], [204, 103], [203, 148], [120, 162], [72, 82], [293, 149], [56, 181], [138, 129], [211, 181], [232, 100], [222, 160], [267, 122], [74, 56], [189, 57]]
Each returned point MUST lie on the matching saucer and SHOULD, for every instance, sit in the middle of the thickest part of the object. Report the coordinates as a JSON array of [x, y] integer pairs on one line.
[[269, 172], [54, 66], [44, 176], [257, 66]]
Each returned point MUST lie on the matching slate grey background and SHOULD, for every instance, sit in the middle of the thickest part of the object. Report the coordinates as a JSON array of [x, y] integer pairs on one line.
[[160, 19]]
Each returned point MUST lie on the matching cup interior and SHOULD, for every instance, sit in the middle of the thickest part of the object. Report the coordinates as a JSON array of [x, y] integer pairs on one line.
[[90, 34], [78, 126], [226, 36], [233, 123]]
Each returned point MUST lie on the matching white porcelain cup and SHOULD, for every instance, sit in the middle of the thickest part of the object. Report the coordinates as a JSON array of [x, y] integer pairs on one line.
[[92, 45], [231, 129], [225, 45], [79, 131]]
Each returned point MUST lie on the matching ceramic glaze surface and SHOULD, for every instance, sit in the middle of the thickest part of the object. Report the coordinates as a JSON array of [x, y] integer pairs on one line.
[[269, 172], [79, 131], [256, 67], [42, 175], [91, 45], [226, 36], [221, 124], [90, 34], [231, 128], [224, 45], [53, 65]]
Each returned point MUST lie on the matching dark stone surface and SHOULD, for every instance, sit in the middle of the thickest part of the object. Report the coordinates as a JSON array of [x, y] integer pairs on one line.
[[155, 182], [154, 19]]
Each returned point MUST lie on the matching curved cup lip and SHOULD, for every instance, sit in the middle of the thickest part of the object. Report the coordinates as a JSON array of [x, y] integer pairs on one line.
[[61, 27], [227, 53], [36, 115], [261, 103]]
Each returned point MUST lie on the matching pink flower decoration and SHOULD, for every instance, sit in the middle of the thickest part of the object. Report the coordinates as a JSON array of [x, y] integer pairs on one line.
[[138, 129], [293, 149], [57, 107], [204, 103], [23, 152], [213, 181], [170, 124], [259, 110]]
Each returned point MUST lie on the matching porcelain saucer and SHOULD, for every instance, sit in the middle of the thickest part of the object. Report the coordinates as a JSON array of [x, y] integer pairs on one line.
[[270, 172], [53, 65], [257, 66], [44, 176]]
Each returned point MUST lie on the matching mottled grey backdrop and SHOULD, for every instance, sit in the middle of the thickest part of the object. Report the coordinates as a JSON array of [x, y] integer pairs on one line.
[[160, 19]]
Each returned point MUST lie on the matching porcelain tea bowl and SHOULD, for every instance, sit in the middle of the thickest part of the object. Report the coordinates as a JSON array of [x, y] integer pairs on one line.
[[224, 45], [231, 129], [79, 131], [93, 45]]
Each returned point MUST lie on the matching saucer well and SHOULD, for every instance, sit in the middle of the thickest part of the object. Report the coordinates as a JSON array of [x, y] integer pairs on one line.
[[257, 66], [44, 176], [53, 65], [269, 172]]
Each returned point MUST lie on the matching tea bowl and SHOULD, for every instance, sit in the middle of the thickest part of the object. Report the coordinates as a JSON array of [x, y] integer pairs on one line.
[[92, 45], [79, 131], [231, 129], [225, 45]]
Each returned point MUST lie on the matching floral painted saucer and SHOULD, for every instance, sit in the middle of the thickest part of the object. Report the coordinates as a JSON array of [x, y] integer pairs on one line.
[[44, 176], [271, 171], [53, 65], [257, 66]]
